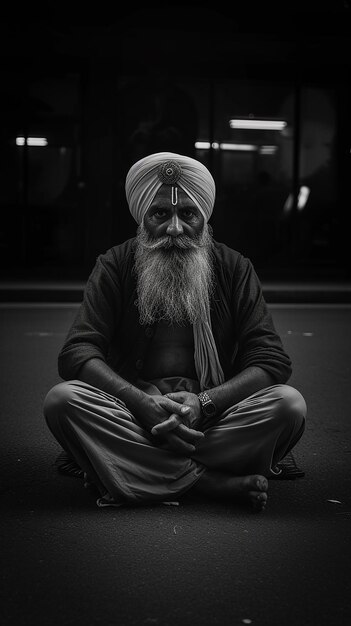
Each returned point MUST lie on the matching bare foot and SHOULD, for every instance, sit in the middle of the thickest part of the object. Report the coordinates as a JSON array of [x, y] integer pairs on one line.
[[252, 489]]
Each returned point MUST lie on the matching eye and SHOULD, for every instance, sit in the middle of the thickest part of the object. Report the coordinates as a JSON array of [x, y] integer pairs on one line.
[[159, 214], [188, 214]]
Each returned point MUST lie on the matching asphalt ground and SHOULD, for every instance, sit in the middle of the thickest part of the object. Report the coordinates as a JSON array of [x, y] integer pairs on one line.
[[66, 562]]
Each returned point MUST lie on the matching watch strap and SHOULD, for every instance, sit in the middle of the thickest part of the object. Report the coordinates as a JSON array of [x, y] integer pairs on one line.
[[207, 405]]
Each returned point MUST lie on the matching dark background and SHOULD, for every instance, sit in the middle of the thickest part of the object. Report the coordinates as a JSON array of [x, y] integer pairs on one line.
[[105, 92]]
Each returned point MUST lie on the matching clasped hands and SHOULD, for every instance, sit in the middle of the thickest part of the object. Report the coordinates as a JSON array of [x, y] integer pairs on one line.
[[176, 418]]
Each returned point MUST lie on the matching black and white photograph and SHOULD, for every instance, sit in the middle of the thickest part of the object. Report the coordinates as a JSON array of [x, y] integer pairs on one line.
[[175, 305]]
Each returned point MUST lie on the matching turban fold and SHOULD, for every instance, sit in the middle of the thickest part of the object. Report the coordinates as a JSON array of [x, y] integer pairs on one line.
[[146, 176]]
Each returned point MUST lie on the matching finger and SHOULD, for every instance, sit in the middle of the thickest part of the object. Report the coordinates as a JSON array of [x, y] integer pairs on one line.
[[179, 445], [169, 424], [176, 396], [189, 434], [176, 407]]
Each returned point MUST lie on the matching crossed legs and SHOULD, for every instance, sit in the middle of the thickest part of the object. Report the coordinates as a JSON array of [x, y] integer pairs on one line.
[[233, 460]]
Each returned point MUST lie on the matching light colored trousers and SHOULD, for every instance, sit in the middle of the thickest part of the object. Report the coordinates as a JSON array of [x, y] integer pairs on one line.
[[127, 464]]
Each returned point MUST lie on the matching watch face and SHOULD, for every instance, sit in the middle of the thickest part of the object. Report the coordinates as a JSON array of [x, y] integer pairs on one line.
[[209, 409]]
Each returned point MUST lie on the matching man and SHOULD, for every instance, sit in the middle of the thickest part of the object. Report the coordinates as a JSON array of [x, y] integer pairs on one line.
[[175, 374]]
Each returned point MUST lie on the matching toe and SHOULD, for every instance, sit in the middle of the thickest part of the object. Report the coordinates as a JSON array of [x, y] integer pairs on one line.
[[261, 483], [258, 500]]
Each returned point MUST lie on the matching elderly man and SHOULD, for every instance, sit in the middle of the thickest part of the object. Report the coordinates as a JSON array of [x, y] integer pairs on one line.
[[175, 377]]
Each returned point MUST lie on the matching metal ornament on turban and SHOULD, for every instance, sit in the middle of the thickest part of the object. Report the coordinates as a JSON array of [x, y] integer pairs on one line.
[[143, 181], [146, 176]]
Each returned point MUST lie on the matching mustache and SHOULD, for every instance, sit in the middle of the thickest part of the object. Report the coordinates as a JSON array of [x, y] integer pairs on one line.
[[182, 242]]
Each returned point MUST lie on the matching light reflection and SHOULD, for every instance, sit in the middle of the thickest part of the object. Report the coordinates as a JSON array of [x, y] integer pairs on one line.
[[302, 198], [253, 124], [268, 149], [206, 145], [31, 141], [241, 147]]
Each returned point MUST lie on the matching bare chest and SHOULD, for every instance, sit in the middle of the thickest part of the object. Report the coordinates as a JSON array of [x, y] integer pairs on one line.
[[171, 352]]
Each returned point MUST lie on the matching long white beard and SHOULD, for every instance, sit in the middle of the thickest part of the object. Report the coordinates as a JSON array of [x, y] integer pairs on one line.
[[175, 277]]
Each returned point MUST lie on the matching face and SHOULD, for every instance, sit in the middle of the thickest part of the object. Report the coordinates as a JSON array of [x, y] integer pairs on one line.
[[166, 219]]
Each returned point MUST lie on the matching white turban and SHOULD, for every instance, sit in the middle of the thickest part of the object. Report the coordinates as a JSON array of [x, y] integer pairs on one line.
[[146, 176]]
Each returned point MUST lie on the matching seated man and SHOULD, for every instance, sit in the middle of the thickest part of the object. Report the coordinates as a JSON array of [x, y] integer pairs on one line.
[[175, 374]]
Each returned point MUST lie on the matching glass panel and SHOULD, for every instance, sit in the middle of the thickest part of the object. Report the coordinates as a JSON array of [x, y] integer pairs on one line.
[[199, 93], [318, 218], [252, 166], [40, 156]]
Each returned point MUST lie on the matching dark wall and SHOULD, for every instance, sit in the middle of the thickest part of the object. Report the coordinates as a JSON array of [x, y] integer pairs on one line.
[[126, 76]]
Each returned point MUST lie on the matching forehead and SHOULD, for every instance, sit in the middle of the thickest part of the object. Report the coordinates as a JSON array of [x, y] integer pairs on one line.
[[164, 197]]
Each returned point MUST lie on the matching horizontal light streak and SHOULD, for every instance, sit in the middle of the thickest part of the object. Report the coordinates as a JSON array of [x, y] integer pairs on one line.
[[239, 147], [206, 145], [268, 149], [31, 141], [253, 124], [242, 147]]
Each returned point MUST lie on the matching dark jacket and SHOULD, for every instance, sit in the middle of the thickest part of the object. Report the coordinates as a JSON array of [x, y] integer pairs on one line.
[[107, 323]]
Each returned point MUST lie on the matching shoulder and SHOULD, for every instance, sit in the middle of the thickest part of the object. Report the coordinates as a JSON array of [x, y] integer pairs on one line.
[[120, 253], [118, 258], [235, 272], [230, 259]]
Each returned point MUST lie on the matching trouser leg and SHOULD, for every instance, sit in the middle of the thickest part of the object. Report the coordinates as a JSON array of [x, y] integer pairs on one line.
[[121, 458], [252, 436], [106, 441]]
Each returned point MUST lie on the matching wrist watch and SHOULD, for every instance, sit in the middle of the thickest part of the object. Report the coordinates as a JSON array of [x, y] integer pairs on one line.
[[207, 406]]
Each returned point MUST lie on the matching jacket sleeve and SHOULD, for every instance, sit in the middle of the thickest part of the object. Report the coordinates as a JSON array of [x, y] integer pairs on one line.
[[259, 344], [95, 323]]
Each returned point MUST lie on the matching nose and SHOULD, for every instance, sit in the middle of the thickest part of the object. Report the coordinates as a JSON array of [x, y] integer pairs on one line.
[[175, 228]]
